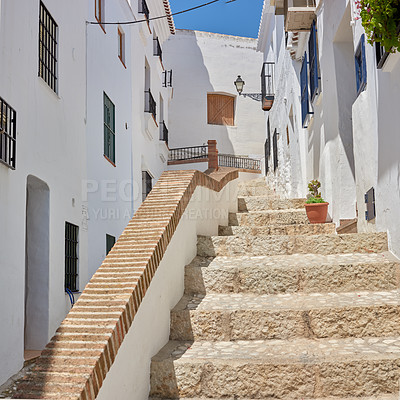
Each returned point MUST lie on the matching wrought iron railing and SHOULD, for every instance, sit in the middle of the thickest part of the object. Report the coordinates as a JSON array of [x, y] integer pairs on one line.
[[8, 134], [240, 162], [157, 48], [188, 153], [163, 132], [144, 9], [150, 104]]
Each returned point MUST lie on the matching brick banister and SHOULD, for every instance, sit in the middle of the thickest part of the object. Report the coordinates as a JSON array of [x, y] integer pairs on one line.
[[76, 361]]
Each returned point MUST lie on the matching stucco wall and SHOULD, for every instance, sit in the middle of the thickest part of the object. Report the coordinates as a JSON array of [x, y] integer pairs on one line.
[[207, 63], [51, 147]]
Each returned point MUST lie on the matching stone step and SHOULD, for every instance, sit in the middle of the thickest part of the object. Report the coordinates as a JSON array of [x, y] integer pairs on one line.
[[230, 317], [294, 229], [307, 273], [278, 369], [260, 203], [255, 191], [297, 244], [271, 217]]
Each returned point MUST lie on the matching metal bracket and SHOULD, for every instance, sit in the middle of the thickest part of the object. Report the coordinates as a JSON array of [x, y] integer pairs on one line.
[[253, 96]]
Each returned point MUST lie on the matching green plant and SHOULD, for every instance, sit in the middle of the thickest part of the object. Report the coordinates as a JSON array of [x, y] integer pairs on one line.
[[315, 195], [381, 19]]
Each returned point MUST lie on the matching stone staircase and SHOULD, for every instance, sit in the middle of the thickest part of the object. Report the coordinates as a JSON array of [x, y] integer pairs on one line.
[[276, 308]]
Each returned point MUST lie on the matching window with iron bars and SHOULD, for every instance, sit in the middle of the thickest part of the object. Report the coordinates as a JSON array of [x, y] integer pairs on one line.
[[48, 31], [164, 132], [144, 9], [109, 128], [275, 146], [150, 104], [71, 256], [167, 78], [8, 134]]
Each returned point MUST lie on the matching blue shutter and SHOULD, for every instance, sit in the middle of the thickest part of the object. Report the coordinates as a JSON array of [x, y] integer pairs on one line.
[[361, 65], [304, 90], [312, 51]]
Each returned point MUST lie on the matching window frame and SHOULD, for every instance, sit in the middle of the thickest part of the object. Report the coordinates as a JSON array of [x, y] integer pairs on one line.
[[8, 135], [147, 184], [360, 65], [304, 95], [313, 63], [48, 48], [71, 257], [99, 13], [109, 131], [121, 45], [275, 148]]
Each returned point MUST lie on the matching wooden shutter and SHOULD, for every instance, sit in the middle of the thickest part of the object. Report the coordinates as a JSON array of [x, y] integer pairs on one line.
[[220, 109]]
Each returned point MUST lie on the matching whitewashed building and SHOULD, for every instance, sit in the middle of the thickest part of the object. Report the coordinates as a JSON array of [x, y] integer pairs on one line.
[[334, 112], [129, 90], [80, 145], [42, 153], [206, 105]]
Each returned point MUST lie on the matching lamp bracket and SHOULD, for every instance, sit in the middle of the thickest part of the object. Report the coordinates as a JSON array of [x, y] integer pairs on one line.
[[253, 96]]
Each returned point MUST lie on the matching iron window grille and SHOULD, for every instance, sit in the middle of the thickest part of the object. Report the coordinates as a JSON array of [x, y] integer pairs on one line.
[[144, 9], [164, 132], [275, 146], [109, 129], [147, 184], [267, 85], [157, 51], [150, 104], [267, 148], [8, 134], [381, 55], [370, 213], [305, 103], [48, 47], [313, 53], [110, 241], [167, 78], [71, 256], [361, 65]]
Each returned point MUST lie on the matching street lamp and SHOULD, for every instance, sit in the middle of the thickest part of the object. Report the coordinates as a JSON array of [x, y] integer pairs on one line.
[[239, 84]]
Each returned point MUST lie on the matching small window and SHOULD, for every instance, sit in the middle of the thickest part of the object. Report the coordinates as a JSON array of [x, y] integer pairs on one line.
[[121, 45], [167, 78], [381, 55], [48, 31], [71, 257], [144, 9], [110, 241], [267, 147], [220, 109], [147, 184], [8, 134], [361, 66], [305, 105], [99, 13], [157, 48], [109, 129]]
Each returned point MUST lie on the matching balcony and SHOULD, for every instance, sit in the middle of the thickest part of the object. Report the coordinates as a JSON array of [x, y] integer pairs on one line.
[[299, 14]]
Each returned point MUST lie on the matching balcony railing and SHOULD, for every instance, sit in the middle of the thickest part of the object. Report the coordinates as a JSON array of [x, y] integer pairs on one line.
[[157, 48], [150, 104], [195, 153], [167, 78], [164, 133], [8, 134], [240, 162], [299, 14], [267, 85], [144, 9]]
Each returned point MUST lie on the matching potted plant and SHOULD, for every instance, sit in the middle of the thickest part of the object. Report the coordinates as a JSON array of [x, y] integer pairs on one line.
[[381, 21], [316, 206]]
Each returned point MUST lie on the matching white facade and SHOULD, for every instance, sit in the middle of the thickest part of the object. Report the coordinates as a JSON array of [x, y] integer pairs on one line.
[[206, 63], [61, 173], [350, 139], [44, 191], [115, 189]]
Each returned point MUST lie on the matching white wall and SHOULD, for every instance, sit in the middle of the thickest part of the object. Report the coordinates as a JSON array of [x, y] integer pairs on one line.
[[206, 63], [130, 374], [50, 147], [115, 192]]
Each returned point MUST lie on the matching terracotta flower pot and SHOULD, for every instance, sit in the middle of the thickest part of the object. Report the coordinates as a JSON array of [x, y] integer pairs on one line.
[[317, 212]]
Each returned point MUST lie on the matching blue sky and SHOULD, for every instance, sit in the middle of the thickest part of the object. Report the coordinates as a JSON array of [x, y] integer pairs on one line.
[[239, 18]]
